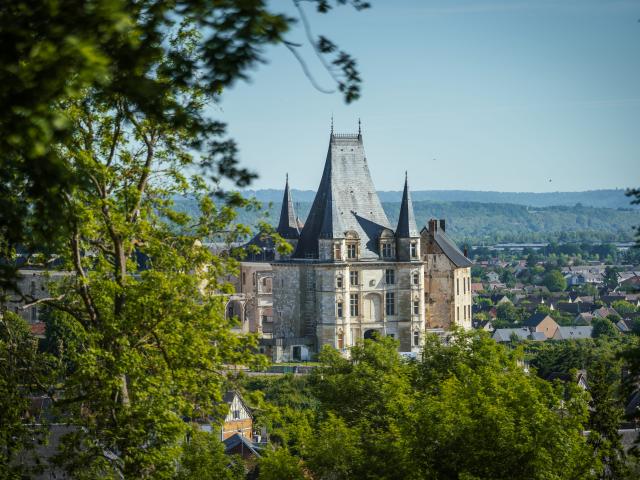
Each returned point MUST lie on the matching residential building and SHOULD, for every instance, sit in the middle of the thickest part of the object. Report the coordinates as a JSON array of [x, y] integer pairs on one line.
[[543, 323], [239, 419], [573, 333]]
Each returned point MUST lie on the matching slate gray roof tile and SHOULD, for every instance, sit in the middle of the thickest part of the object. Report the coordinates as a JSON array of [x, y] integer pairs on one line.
[[346, 200], [288, 225], [407, 227]]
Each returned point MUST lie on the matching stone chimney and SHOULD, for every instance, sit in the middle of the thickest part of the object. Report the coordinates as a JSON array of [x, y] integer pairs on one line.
[[466, 252], [433, 226], [442, 224]]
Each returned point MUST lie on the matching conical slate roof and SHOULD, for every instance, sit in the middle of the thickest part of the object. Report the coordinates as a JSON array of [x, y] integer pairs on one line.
[[407, 227], [288, 225], [346, 200]]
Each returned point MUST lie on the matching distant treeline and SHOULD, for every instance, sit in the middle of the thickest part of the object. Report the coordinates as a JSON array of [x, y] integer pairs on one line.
[[487, 223], [612, 198]]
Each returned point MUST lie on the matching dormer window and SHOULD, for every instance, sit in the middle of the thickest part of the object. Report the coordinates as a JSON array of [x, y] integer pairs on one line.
[[352, 250], [387, 250], [414, 250], [337, 251]]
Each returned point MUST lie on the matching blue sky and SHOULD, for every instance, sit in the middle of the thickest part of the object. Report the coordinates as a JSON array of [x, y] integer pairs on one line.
[[513, 95]]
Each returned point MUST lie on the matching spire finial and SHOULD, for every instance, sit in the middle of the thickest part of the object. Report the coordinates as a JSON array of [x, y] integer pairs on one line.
[[287, 177], [332, 124], [359, 127]]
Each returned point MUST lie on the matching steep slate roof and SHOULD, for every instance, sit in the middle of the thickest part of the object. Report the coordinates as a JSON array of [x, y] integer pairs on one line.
[[346, 200], [450, 249], [288, 225], [407, 227], [535, 319]]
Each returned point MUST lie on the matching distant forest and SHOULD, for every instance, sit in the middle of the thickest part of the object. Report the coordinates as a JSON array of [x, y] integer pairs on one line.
[[612, 198], [486, 223]]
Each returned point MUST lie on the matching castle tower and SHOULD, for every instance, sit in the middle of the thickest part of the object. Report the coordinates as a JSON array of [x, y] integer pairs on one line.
[[345, 281], [407, 235], [346, 212], [288, 224]]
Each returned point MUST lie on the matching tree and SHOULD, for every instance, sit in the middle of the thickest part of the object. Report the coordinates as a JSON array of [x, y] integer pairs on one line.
[[610, 279], [554, 281], [507, 312], [57, 51], [203, 458], [333, 451], [623, 307], [280, 465], [508, 278], [142, 316], [483, 417], [603, 327], [532, 259], [371, 393], [464, 410], [606, 415], [24, 372]]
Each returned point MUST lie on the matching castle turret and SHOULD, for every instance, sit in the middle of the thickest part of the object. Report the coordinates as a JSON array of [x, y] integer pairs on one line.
[[407, 235], [288, 224]]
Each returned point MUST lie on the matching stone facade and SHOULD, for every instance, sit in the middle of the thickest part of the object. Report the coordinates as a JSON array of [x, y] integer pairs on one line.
[[252, 304], [447, 281], [352, 276], [32, 285]]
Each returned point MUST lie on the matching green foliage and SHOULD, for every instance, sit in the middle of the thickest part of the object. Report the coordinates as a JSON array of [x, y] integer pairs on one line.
[[139, 326], [334, 450], [24, 371], [487, 419], [507, 314], [606, 415], [203, 458], [280, 465], [55, 51], [610, 279], [555, 281], [478, 223], [603, 359], [464, 410], [604, 327], [623, 307]]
